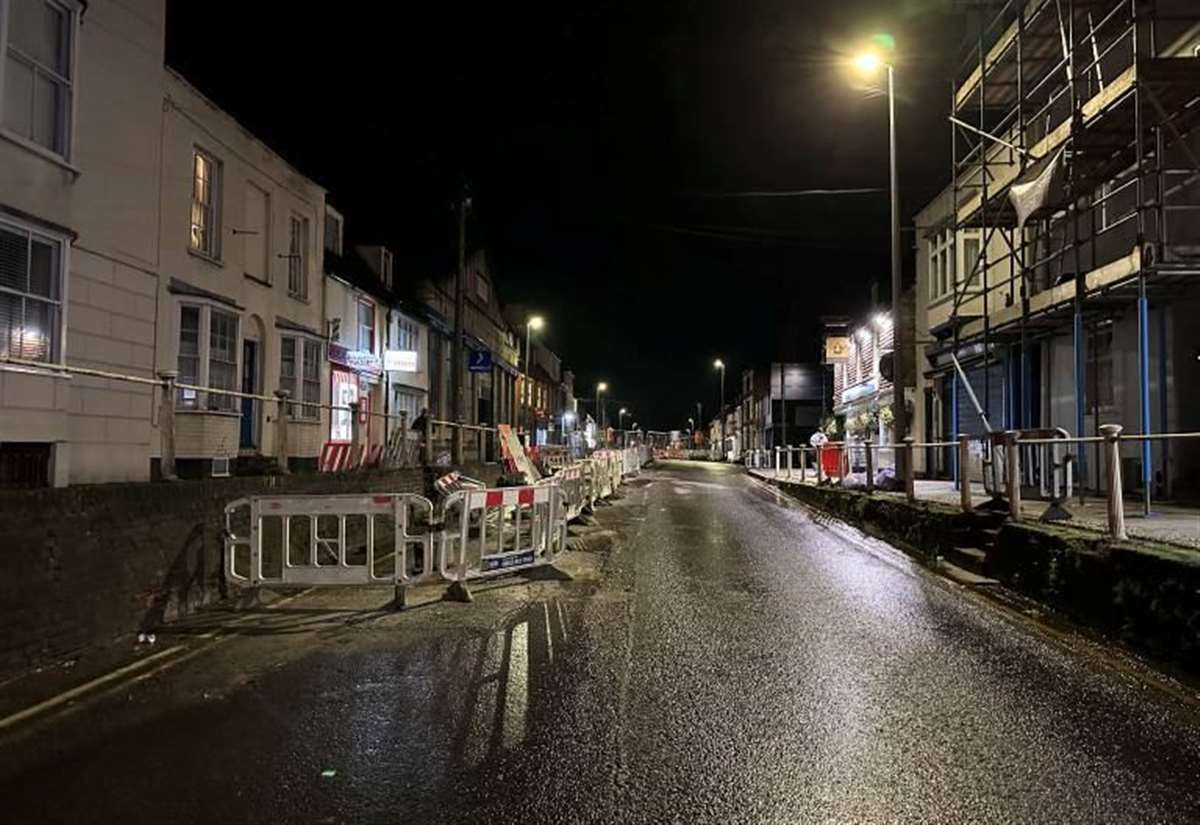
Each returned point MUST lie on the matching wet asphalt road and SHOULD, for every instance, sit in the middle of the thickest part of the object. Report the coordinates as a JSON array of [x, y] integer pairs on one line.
[[737, 662]]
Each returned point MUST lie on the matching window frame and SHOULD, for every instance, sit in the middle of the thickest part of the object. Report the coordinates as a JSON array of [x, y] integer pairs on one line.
[[297, 256], [359, 304], [266, 233], [333, 215], [58, 338], [217, 190], [306, 351], [65, 126], [203, 401]]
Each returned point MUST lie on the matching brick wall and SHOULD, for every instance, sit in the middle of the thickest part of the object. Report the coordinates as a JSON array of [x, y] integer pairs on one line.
[[85, 565]]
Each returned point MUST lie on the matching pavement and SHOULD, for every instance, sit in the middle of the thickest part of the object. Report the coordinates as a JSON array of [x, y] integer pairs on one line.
[[728, 658], [1168, 523]]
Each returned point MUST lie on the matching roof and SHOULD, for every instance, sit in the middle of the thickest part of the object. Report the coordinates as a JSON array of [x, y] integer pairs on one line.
[[351, 268]]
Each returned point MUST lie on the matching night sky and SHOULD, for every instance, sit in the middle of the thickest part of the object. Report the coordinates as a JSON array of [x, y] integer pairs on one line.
[[599, 141]]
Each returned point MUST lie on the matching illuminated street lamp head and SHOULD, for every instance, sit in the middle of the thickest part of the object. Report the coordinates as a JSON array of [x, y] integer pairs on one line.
[[622, 411], [868, 62], [536, 322], [601, 387], [719, 364]]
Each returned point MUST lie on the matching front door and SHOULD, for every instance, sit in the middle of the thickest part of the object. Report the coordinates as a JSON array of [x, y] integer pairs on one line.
[[248, 440]]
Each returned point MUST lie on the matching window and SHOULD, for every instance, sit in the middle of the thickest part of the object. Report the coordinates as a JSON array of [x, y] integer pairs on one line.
[[387, 268], [1100, 369], [206, 199], [972, 266], [301, 358], [482, 290], [297, 246], [333, 231], [207, 360], [31, 276], [256, 233], [406, 400], [406, 335], [38, 72], [366, 326]]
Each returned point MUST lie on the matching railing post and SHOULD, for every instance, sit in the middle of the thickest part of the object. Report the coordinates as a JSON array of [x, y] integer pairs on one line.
[[1112, 468], [456, 439], [803, 467], [910, 470], [870, 466], [281, 431], [788, 450], [964, 472], [479, 445], [166, 425], [778, 461], [820, 464], [402, 458], [428, 439], [1013, 482], [355, 435]]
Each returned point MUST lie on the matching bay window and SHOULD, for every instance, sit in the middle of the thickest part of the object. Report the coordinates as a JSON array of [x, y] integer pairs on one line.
[[207, 357], [300, 375]]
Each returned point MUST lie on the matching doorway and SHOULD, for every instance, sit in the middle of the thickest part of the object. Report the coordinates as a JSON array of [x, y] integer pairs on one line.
[[248, 438]]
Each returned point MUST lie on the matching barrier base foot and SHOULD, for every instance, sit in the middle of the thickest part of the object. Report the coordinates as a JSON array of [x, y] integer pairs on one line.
[[401, 600], [1056, 512], [458, 592]]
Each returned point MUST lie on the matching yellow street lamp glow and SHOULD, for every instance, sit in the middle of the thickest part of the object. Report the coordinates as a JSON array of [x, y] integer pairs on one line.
[[868, 62], [536, 322]]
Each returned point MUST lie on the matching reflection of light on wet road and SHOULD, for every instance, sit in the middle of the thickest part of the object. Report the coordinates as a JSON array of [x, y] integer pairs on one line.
[[516, 691]]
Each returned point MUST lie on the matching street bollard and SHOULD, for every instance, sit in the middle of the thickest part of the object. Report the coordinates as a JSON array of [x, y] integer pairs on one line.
[[910, 470], [355, 436], [1013, 482], [964, 472], [281, 431], [870, 466], [1112, 468], [166, 425]]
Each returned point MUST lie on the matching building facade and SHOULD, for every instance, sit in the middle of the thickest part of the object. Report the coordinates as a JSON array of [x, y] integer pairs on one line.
[[240, 300], [1055, 270], [80, 170]]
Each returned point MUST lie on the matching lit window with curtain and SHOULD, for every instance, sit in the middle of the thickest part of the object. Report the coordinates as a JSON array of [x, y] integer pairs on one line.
[[206, 214], [31, 276]]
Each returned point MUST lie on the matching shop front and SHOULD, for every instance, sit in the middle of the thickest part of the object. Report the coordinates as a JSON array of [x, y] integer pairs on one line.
[[355, 377]]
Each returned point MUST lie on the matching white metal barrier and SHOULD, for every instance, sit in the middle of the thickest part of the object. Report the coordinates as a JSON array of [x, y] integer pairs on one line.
[[491, 532], [315, 540]]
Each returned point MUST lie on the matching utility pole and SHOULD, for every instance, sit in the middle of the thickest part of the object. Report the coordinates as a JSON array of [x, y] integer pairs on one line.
[[899, 355], [783, 442], [456, 350]]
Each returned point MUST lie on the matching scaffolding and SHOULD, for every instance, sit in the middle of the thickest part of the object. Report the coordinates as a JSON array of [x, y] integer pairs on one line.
[[1090, 104]]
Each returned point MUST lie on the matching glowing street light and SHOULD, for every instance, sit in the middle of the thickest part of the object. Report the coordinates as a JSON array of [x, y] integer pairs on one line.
[[720, 365], [870, 62], [601, 386]]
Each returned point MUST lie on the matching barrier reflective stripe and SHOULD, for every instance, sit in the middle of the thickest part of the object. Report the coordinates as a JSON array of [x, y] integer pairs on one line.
[[317, 540]]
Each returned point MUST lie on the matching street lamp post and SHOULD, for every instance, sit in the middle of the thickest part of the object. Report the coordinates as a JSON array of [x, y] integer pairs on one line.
[[869, 62], [602, 386], [719, 364], [536, 322]]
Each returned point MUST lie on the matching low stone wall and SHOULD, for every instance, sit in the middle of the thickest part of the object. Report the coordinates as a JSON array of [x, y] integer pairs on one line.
[[1145, 594], [82, 566]]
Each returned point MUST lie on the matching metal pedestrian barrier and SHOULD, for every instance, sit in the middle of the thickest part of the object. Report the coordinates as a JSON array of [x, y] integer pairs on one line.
[[316, 540], [490, 532]]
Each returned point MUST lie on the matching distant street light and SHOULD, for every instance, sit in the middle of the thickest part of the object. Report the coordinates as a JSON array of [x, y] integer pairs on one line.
[[870, 62], [600, 387], [621, 413], [719, 364], [535, 322]]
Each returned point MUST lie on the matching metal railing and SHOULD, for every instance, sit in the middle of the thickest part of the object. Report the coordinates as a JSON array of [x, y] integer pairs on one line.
[[1011, 467], [401, 446]]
